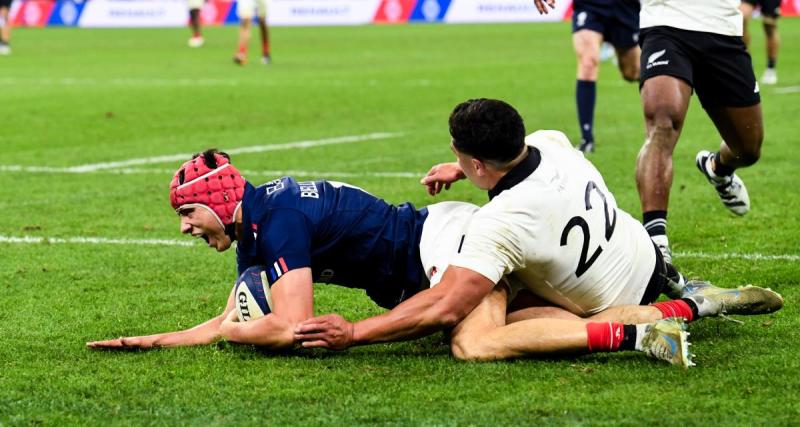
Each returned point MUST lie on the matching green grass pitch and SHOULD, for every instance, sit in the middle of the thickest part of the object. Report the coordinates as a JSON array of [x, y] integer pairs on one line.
[[73, 97]]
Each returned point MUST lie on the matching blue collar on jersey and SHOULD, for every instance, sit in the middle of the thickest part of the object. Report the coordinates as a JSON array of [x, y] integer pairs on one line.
[[518, 173]]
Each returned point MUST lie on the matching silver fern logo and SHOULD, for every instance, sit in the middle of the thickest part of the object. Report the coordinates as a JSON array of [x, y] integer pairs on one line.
[[652, 60]]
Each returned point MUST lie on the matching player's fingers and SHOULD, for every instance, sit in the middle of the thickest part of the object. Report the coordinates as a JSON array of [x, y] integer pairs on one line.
[[315, 344], [431, 189], [316, 336], [308, 328], [447, 186]]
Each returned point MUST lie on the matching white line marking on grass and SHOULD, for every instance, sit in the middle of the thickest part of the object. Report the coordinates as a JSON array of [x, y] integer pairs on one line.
[[787, 89], [71, 81], [96, 241], [735, 255], [245, 173], [174, 242], [94, 167], [253, 149]]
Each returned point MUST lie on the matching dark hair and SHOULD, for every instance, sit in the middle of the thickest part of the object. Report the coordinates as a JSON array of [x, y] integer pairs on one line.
[[487, 129], [208, 159]]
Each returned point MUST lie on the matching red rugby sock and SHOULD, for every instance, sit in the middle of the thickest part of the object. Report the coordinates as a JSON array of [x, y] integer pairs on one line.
[[675, 308]]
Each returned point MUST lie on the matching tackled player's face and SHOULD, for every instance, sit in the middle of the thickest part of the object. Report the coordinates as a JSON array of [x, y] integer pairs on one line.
[[201, 223]]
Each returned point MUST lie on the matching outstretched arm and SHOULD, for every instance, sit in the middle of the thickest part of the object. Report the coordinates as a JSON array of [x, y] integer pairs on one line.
[[429, 311], [204, 333]]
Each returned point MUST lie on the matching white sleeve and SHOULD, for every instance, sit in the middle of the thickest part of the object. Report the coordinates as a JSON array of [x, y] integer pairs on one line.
[[548, 137], [491, 247]]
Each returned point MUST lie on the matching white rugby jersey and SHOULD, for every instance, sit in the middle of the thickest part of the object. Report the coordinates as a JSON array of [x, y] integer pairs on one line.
[[559, 232], [711, 16]]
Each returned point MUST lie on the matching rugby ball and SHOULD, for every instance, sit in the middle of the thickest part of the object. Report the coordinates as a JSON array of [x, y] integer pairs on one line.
[[251, 294]]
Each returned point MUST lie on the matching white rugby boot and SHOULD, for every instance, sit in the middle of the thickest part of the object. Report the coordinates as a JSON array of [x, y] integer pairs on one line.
[[731, 189], [668, 340], [746, 300], [770, 77]]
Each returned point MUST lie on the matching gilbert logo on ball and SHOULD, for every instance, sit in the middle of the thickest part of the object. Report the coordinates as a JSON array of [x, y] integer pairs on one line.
[[253, 298]]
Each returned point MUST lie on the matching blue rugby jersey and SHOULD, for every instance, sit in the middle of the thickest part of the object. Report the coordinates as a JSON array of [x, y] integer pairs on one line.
[[347, 236]]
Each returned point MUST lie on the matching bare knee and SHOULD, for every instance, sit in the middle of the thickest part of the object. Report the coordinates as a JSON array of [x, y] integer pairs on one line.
[[630, 74], [587, 66], [664, 123]]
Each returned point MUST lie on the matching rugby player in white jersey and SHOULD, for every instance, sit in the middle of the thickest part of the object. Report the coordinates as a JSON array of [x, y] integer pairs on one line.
[[195, 8], [770, 12], [244, 11], [695, 46], [553, 227]]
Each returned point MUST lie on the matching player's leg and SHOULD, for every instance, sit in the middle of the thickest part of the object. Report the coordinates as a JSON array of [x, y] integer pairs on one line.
[[628, 62], [666, 76], [194, 23], [483, 335], [5, 29], [266, 58], [587, 51], [525, 305], [665, 101], [728, 91], [244, 38], [771, 12], [244, 11]]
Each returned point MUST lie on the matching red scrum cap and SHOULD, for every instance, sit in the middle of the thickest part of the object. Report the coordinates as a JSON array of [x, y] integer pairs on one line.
[[208, 181]]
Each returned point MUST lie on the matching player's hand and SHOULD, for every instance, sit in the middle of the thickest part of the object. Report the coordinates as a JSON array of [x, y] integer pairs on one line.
[[541, 5], [330, 331], [124, 343], [441, 176], [228, 326]]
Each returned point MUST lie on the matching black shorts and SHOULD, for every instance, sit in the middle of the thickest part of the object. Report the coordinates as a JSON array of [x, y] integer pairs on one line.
[[617, 21], [769, 8], [6, 4], [717, 67]]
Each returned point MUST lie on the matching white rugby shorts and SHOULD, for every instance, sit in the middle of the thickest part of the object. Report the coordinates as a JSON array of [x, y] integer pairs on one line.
[[441, 236], [196, 4], [246, 8]]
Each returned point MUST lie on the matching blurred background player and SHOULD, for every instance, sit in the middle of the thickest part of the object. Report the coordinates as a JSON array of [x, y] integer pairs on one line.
[[695, 46], [5, 27], [194, 23], [244, 11], [616, 22], [770, 12]]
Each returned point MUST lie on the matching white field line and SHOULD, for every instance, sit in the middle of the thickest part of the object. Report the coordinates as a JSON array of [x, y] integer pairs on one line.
[[787, 89], [187, 82], [93, 167], [252, 149], [245, 173], [96, 241], [735, 255], [174, 242]]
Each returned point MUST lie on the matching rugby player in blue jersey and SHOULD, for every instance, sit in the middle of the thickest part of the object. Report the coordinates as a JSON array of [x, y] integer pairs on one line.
[[307, 232]]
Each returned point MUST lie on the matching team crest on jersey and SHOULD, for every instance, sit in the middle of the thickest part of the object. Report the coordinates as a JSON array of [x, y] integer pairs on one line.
[[255, 231]]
